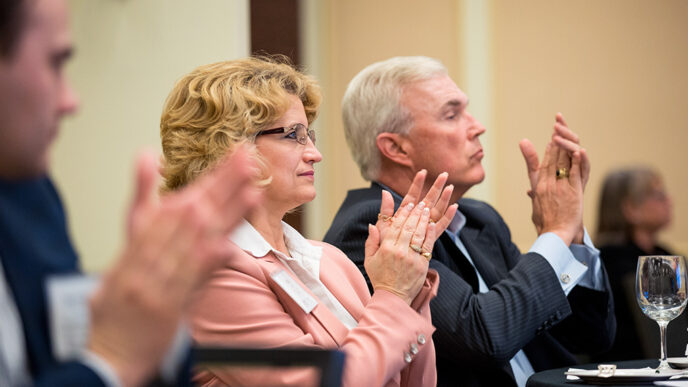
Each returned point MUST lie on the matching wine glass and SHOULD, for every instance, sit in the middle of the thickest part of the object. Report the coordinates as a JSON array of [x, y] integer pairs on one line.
[[660, 287]]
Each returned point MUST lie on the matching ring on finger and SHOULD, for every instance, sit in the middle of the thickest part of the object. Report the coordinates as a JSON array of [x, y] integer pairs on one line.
[[385, 218], [562, 173], [416, 248], [427, 255]]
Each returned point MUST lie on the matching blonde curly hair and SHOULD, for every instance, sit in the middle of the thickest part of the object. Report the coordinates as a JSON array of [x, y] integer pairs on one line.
[[221, 105]]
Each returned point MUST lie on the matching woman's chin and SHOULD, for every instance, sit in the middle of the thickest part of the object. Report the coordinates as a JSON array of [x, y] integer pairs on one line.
[[302, 199], [309, 197]]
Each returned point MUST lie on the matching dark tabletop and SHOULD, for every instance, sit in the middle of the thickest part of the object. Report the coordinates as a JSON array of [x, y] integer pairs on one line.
[[556, 377]]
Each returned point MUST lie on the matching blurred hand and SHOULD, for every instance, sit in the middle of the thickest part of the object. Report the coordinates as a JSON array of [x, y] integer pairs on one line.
[[391, 263], [172, 247]]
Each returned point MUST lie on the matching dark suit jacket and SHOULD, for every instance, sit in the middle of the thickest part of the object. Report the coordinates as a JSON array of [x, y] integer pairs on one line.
[[477, 334], [34, 245]]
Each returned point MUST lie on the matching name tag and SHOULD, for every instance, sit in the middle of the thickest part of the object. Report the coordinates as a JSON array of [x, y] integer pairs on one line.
[[294, 290], [70, 322], [68, 300]]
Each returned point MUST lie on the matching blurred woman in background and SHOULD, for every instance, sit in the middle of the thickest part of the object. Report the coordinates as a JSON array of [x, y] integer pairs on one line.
[[634, 207]]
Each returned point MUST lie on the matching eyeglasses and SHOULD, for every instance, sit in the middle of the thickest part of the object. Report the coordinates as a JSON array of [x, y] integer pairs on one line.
[[297, 132]]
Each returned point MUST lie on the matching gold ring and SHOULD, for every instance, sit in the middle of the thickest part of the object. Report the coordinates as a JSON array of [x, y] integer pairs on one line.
[[427, 255], [562, 173], [415, 248], [384, 218]]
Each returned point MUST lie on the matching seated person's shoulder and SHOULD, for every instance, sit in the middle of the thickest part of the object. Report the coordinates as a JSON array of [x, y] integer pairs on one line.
[[335, 256], [358, 210], [480, 210], [360, 199], [330, 252]]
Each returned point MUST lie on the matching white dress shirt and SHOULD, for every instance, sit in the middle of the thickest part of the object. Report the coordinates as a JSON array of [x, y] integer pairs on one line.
[[13, 365], [303, 261]]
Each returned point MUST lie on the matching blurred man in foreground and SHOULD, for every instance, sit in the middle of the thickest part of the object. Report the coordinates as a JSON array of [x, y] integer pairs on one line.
[[171, 246], [500, 315]]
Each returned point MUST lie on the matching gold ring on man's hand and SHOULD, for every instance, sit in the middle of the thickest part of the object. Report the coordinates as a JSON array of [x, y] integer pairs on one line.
[[384, 218], [562, 173], [427, 255], [415, 248]]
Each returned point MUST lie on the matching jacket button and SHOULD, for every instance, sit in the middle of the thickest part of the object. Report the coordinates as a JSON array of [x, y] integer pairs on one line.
[[421, 339], [414, 348], [407, 357]]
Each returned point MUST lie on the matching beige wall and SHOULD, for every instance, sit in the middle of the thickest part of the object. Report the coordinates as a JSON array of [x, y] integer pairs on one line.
[[128, 55], [616, 69]]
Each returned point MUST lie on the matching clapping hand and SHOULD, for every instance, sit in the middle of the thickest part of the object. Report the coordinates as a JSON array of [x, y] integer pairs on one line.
[[568, 144], [399, 247], [172, 247]]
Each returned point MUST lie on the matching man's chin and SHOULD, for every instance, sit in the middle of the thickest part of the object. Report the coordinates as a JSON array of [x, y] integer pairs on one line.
[[479, 175]]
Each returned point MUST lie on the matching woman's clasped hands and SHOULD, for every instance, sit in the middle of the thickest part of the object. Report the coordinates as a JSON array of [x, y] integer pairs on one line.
[[399, 247]]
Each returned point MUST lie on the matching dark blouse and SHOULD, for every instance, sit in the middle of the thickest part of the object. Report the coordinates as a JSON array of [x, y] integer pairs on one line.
[[637, 336]]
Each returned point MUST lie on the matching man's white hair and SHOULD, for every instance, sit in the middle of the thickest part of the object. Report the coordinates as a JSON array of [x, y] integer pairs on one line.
[[371, 105]]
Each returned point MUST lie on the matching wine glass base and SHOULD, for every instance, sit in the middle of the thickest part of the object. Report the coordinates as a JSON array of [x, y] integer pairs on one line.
[[663, 366]]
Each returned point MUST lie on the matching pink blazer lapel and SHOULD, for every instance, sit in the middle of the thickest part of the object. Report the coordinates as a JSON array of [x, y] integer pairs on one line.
[[327, 321], [331, 276]]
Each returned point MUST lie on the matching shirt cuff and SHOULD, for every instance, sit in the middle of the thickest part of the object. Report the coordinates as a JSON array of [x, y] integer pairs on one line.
[[102, 368], [589, 255], [567, 268], [174, 358]]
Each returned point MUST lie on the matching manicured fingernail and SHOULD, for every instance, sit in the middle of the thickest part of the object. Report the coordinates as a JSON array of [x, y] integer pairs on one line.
[[421, 205], [426, 211], [409, 206]]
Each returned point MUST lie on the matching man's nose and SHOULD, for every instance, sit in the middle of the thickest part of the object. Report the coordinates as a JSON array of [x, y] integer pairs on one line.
[[477, 128]]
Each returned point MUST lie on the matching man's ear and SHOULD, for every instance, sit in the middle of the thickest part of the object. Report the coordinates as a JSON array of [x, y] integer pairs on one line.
[[395, 147]]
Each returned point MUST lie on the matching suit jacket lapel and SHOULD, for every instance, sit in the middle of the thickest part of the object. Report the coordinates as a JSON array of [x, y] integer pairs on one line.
[[482, 250], [447, 253], [330, 275], [327, 320], [34, 244]]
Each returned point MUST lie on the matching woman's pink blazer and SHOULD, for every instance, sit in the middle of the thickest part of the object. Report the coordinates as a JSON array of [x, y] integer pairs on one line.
[[243, 306]]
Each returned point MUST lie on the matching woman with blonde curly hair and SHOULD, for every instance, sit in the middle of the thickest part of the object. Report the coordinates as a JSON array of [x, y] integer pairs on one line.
[[285, 290]]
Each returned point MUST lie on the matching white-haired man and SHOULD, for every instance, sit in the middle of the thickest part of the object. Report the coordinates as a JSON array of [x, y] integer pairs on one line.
[[500, 315]]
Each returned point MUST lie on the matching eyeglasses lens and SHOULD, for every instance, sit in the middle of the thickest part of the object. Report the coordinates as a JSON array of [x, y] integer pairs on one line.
[[302, 135]]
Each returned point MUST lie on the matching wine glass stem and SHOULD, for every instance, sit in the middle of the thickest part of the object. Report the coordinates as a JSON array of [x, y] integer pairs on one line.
[[662, 338]]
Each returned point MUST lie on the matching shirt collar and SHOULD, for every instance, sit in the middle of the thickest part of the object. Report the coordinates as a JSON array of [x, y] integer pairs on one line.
[[250, 240], [302, 252], [457, 223]]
